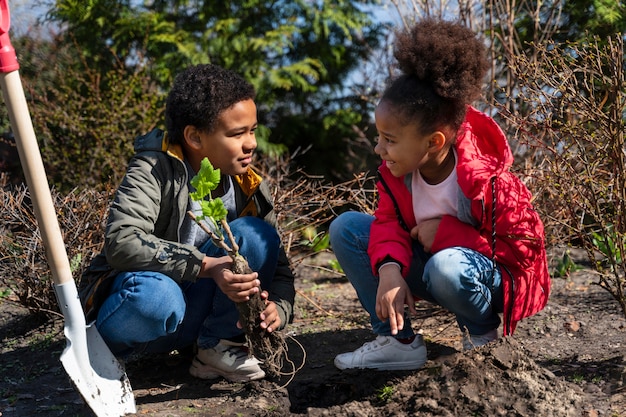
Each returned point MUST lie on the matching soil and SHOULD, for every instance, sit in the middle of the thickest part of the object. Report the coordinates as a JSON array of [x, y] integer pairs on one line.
[[567, 360]]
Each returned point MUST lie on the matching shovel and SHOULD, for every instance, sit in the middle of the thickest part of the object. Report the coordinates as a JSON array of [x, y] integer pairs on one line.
[[93, 369]]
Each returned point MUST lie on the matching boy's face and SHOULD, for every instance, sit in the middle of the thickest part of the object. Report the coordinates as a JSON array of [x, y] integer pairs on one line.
[[232, 142]]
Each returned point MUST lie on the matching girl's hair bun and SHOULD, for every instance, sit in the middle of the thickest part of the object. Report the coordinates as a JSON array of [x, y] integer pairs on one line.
[[447, 55]]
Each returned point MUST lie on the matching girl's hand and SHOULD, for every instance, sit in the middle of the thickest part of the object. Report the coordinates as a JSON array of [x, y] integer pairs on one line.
[[392, 295], [237, 287], [425, 232]]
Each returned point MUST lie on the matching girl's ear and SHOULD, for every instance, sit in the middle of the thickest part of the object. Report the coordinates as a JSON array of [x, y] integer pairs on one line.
[[436, 141], [191, 137]]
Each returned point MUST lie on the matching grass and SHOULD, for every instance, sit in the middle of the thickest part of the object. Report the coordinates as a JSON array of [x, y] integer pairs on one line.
[[41, 342], [385, 393]]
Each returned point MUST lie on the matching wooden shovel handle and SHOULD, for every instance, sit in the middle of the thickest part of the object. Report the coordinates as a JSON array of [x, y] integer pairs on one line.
[[35, 173], [30, 156]]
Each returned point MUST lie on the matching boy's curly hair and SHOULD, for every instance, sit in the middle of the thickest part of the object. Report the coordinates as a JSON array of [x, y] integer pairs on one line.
[[443, 64], [199, 94]]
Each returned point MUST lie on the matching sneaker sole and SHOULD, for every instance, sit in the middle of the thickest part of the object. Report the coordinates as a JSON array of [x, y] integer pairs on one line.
[[389, 366], [204, 371], [384, 367]]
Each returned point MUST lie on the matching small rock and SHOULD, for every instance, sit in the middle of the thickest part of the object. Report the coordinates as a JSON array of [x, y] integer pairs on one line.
[[572, 326]]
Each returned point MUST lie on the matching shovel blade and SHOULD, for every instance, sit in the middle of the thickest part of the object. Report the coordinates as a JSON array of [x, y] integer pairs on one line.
[[100, 380], [94, 370]]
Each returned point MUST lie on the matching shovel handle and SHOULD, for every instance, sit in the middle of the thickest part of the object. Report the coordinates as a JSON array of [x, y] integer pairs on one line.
[[30, 155], [8, 60]]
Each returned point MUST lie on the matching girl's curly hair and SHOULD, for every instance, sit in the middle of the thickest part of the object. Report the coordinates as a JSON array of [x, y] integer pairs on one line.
[[199, 94], [443, 64]]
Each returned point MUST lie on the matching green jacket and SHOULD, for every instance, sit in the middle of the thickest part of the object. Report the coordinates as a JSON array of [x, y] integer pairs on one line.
[[142, 231]]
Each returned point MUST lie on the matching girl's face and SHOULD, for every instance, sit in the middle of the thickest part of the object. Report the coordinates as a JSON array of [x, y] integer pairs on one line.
[[231, 143], [400, 144]]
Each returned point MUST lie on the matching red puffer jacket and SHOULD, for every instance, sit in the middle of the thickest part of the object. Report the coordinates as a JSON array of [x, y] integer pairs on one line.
[[484, 160]]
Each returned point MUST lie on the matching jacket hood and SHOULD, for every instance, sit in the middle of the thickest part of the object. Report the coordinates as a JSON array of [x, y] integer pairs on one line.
[[483, 152], [157, 140]]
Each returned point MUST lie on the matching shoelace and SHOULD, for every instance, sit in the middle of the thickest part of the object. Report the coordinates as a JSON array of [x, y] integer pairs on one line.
[[370, 345], [238, 352]]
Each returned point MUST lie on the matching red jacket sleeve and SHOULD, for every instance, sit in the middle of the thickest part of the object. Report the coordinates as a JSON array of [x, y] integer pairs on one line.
[[387, 237]]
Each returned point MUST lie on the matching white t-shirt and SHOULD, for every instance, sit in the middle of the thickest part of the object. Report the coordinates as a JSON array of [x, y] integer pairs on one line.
[[433, 201], [193, 234]]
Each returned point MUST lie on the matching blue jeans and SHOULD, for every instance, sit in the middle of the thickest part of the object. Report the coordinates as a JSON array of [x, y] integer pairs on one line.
[[149, 312], [458, 279]]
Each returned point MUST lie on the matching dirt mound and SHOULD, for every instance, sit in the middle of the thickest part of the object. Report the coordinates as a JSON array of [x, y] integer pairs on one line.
[[495, 380]]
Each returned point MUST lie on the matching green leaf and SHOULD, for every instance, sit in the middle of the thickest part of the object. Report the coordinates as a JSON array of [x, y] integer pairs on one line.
[[205, 181], [214, 209]]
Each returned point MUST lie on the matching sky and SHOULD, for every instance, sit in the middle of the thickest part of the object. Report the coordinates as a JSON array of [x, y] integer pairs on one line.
[[24, 14]]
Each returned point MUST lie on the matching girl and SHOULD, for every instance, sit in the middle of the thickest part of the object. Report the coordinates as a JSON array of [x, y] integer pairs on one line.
[[453, 226]]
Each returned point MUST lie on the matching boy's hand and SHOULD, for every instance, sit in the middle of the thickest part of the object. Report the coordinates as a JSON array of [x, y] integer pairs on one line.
[[392, 295], [237, 287], [270, 319]]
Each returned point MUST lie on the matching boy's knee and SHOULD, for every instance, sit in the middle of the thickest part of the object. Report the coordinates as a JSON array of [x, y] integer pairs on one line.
[[154, 296], [255, 231]]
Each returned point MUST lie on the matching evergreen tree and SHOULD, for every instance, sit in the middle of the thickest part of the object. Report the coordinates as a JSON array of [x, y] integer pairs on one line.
[[299, 54]]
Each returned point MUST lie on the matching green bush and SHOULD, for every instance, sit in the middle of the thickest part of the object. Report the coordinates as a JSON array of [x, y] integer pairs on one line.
[[85, 121]]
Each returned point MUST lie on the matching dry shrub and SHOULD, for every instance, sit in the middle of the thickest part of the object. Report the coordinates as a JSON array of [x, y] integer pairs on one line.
[[24, 270], [571, 127], [301, 202], [304, 202]]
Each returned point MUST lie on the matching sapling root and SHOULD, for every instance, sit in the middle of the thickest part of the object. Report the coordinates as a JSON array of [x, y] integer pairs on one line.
[[269, 347]]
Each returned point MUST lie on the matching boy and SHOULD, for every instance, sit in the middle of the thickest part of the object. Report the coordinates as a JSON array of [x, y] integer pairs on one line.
[[159, 283]]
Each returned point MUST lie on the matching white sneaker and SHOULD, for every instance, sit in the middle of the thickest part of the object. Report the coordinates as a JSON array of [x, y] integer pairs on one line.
[[229, 360], [385, 354], [471, 341]]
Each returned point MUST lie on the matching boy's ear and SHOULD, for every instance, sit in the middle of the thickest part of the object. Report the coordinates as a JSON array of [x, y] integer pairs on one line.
[[191, 136], [437, 141]]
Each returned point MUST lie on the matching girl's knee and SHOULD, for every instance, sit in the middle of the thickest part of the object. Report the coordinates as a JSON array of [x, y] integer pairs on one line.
[[457, 272], [338, 225], [442, 264], [348, 225], [443, 274]]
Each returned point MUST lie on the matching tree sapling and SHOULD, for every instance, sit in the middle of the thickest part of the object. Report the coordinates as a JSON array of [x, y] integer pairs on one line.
[[270, 347]]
